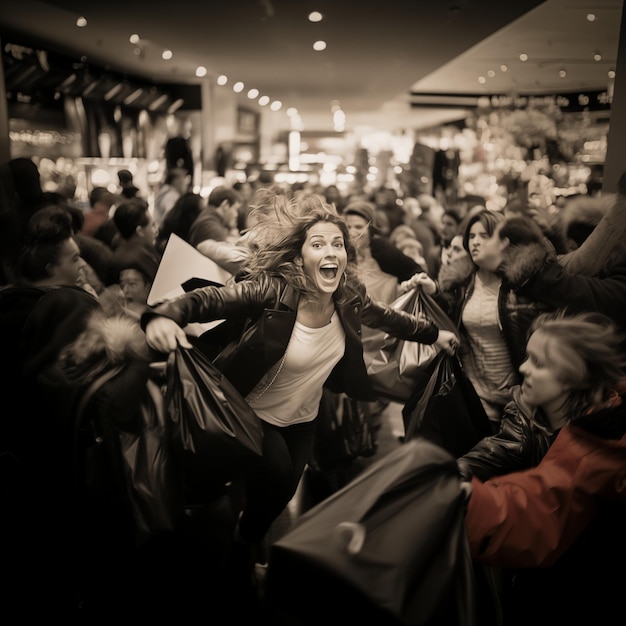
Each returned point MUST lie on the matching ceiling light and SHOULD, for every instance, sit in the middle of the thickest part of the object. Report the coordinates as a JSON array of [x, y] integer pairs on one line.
[[222, 79], [319, 46], [597, 56], [81, 22], [175, 105], [166, 55], [491, 73], [238, 87], [160, 101], [253, 93], [113, 91], [315, 16], [611, 73], [201, 71], [591, 17], [504, 68], [562, 73], [263, 100], [67, 82], [291, 111], [523, 57], [276, 105], [133, 96], [90, 87], [482, 80], [134, 38]]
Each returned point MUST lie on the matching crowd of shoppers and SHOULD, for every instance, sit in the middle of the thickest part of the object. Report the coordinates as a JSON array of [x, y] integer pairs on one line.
[[312, 271]]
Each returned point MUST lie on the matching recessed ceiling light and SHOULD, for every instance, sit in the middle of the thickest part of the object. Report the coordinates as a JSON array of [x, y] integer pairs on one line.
[[264, 100], [591, 17], [201, 71], [482, 80], [222, 79], [319, 46], [562, 73], [166, 55], [597, 56], [238, 87], [315, 16], [504, 68], [523, 57], [253, 93], [611, 73], [81, 22], [276, 105], [491, 73], [134, 38]]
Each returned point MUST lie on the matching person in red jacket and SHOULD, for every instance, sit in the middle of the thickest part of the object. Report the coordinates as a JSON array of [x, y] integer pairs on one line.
[[556, 531]]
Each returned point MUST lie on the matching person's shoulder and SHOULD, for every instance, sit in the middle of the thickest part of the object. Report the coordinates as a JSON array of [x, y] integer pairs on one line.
[[69, 294]]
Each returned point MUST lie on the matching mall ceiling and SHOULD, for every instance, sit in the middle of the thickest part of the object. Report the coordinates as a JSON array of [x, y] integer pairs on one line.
[[386, 64]]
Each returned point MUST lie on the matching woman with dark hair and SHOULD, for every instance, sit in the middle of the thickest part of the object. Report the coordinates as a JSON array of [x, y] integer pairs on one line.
[[304, 307], [493, 321]]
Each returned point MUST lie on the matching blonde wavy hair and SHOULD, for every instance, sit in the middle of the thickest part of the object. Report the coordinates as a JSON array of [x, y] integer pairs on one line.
[[281, 222], [588, 352]]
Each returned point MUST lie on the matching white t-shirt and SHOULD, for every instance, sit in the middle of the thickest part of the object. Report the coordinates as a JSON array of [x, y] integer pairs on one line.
[[294, 394]]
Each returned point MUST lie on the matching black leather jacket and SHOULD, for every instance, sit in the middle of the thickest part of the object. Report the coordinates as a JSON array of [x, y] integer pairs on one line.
[[270, 306], [523, 440]]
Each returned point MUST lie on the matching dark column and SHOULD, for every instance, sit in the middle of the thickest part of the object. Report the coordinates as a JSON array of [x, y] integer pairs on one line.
[[5, 151]]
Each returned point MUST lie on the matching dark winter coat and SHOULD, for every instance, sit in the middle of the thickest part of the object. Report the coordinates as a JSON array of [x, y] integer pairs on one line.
[[529, 519], [523, 440], [270, 307], [534, 273], [557, 529], [515, 312]]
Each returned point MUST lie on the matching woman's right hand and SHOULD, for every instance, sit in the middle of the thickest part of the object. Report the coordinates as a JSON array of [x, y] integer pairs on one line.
[[448, 341], [164, 335]]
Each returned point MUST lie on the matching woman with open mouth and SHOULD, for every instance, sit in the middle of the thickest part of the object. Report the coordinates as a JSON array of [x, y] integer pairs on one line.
[[301, 307]]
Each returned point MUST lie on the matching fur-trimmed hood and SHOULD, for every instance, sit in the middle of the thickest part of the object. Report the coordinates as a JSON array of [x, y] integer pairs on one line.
[[523, 261], [456, 273], [106, 342]]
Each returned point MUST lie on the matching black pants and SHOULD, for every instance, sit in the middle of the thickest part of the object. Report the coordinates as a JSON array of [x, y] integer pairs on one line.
[[272, 482]]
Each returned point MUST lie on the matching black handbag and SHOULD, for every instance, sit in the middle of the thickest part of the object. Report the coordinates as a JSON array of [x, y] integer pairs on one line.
[[446, 409], [389, 548], [215, 432], [343, 432]]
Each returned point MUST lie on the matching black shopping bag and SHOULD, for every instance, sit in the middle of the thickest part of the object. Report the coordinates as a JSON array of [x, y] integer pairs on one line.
[[446, 409], [215, 432], [388, 548]]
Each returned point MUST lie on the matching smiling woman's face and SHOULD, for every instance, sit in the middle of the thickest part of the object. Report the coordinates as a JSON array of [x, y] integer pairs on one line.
[[324, 256]]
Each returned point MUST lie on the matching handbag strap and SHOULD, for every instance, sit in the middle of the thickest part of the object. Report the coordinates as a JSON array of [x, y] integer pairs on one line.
[[80, 409], [93, 387]]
